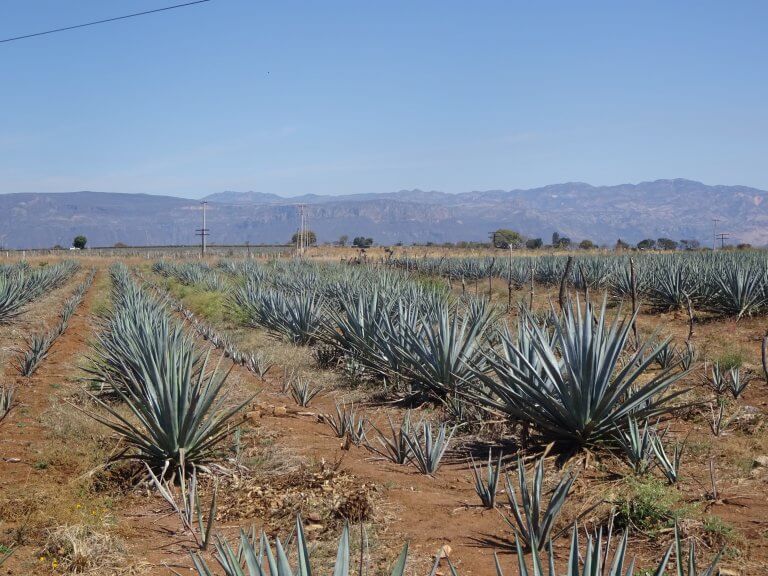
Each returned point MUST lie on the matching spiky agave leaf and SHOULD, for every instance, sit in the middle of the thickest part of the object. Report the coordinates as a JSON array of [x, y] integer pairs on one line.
[[669, 466], [692, 569]]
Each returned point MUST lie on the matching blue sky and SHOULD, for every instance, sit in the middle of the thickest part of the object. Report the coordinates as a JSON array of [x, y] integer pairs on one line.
[[343, 97]]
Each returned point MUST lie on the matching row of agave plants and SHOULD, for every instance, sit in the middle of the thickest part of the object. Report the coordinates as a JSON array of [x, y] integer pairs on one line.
[[21, 284], [38, 345], [178, 413], [726, 283], [190, 274], [555, 376], [570, 377], [255, 556], [256, 362]]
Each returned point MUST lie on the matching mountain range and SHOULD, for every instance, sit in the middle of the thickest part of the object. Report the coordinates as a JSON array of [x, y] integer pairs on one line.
[[677, 209]]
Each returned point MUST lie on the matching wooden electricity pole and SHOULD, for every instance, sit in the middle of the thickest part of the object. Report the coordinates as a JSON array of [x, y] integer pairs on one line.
[[202, 232]]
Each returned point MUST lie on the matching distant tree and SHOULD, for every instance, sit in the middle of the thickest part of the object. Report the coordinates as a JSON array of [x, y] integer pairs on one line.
[[505, 238], [666, 244], [343, 239], [58, 247], [743, 246], [79, 242], [555, 239], [562, 242], [587, 244], [621, 245], [362, 242], [690, 244], [647, 244], [534, 243], [120, 245], [311, 238]]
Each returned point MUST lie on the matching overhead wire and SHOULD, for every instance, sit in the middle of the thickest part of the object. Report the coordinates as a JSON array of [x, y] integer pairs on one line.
[[103, 21]]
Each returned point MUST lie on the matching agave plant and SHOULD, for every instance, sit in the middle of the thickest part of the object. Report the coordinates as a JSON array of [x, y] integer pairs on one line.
[[135, 338], [692, 569], [6, 400], [595, 561], [258, 363], [668, 356], [718, 381], [687, 356], [674, 286], [252, 560], [718, 421], [575, 393], [37, 348], [187, 503], [346, 423], [486, 487], [535, 529], [443, 352], [428, 447], [669, 466], [21, 286], [179, 412], [297, 316], [738, 291], [637, 445], [394, 448], [303, 392], [737, 382]]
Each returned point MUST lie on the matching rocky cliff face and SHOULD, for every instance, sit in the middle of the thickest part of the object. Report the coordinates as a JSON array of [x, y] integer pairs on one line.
[[670, 208]]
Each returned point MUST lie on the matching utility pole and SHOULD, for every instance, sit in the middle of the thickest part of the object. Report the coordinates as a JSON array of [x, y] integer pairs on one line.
[[202, 232], [714, 233], [723, 236], [301, 238]]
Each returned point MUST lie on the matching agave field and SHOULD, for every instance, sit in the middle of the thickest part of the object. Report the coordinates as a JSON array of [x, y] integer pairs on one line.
[[600, 415]]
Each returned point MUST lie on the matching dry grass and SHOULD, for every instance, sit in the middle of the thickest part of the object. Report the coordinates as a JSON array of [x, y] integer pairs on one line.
[[83, 549]]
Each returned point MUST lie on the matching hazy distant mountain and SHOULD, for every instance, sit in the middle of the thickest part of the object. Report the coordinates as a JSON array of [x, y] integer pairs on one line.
[[664, 208]]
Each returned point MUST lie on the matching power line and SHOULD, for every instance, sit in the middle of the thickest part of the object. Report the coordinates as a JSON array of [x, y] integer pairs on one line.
[[103, 21]]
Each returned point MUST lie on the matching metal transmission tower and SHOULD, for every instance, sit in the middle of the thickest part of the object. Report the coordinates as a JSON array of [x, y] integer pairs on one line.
[[202, 232]]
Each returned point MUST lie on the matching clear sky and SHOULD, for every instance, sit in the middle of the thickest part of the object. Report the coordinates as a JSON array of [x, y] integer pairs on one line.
[[366, 96]]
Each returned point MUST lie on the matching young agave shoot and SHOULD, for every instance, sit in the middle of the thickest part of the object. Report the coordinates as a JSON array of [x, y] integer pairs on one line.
[[487, 487]]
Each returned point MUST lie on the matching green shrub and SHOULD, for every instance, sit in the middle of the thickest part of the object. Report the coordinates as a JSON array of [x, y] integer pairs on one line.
[[648, 504]]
